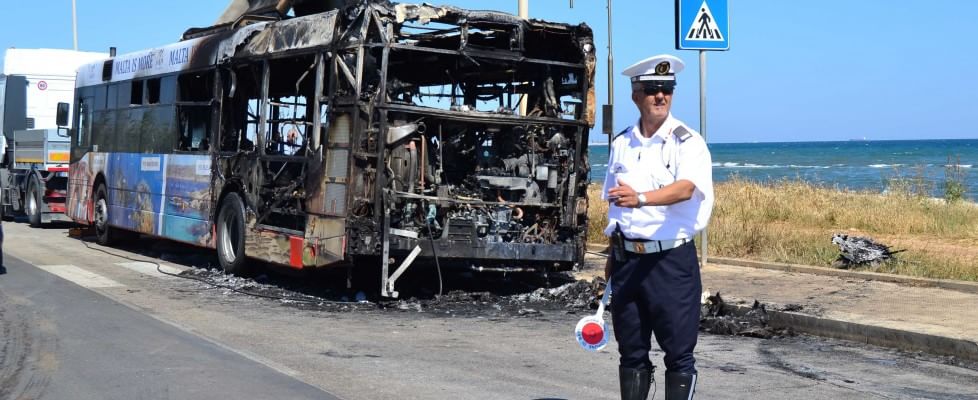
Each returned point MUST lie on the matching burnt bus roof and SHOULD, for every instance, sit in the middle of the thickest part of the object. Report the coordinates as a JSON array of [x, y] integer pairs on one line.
[[253, 40], [272, 9], [264, 33]]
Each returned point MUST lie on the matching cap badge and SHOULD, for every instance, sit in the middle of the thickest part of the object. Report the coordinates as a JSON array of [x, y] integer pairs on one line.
[[662, 68]]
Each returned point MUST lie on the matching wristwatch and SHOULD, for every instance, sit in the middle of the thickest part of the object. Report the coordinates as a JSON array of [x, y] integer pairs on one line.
[[642, 200]]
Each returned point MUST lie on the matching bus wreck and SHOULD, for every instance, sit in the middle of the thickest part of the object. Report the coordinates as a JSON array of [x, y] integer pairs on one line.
[[343, 132]]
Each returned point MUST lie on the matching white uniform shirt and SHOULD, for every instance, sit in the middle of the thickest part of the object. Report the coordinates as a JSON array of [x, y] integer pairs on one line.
[[648, 164]]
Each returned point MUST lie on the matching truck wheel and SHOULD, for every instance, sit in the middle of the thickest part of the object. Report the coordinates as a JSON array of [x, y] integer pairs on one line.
[[103, 232], [33, 206], [231, 235]]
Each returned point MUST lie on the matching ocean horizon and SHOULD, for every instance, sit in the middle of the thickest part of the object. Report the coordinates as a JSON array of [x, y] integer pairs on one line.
[[851, 164]]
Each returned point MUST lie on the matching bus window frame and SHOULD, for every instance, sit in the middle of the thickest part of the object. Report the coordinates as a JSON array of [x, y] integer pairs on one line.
[[183, 101]]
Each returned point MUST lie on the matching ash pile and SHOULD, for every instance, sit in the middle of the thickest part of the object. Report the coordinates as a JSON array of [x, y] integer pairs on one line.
[[230, 284], [719, 318], [572, 297], [286, 291], [492, 298], [578, 295]]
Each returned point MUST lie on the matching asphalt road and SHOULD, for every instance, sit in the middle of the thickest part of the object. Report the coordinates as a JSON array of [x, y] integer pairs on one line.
[[61, 341], [140, 334]]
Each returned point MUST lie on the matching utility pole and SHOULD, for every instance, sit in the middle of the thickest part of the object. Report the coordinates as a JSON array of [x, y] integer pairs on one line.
[[74, 23], [524, 12]]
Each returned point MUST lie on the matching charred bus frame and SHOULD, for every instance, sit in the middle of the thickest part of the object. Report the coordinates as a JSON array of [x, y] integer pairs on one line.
[[374, 130]]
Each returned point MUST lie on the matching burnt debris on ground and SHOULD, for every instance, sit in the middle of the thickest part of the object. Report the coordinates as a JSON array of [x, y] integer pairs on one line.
[[489, 295], [457, 292], [719, 318]]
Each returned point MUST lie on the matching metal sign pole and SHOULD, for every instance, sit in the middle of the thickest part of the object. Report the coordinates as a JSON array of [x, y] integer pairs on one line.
[[702, 25], [74, 23], [703, 133]]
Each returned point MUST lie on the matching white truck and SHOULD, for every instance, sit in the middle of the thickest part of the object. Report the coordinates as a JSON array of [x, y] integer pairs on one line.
[[34, 152]]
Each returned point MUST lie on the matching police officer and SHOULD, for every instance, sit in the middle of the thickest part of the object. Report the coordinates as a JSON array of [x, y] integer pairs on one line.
[[660, 186]]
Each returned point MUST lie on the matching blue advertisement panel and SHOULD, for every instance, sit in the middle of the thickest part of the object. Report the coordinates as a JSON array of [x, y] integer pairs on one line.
[[161, 195], [188, 201], [135, 189]]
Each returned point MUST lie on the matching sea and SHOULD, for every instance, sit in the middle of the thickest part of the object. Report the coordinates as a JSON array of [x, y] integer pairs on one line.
[[857, 164]]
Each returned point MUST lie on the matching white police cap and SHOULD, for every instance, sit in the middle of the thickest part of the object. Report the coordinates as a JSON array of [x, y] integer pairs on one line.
[[661, 68]]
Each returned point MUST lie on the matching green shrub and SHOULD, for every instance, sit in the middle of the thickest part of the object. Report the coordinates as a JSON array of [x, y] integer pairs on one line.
[[955, 187]]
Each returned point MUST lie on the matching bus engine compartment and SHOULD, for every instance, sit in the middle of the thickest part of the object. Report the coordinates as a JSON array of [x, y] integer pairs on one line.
[[479, 191]]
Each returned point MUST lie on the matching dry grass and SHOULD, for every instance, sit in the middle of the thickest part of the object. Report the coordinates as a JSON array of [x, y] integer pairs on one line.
[[793, 222]]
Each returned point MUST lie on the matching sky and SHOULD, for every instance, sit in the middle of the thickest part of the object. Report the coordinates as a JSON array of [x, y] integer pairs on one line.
[[795, 71]]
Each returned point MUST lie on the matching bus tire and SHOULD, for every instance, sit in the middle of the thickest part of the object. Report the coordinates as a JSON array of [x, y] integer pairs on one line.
[[231, 235], [103, 232], [33, 204]]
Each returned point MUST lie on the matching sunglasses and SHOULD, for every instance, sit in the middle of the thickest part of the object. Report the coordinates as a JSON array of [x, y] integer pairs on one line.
[[653, 90]]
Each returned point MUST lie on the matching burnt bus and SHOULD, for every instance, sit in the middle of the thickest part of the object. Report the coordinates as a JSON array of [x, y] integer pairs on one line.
[[340, 132]]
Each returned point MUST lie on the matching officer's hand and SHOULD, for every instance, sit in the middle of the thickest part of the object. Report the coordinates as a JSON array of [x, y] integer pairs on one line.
[[623, 195], [607, 267]]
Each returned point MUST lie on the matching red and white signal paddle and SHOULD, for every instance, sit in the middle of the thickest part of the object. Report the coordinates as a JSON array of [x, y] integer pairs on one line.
[[592, 330]]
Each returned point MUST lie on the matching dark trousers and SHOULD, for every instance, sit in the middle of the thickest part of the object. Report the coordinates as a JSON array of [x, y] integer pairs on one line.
[[657, 293]]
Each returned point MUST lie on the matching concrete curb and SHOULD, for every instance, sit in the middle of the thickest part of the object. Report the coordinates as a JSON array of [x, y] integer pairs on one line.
[[862, 333], [870, 334], [961, 286]]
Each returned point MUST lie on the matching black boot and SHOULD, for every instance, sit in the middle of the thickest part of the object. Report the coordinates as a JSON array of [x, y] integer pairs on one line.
[[635, 382], [680, 385]]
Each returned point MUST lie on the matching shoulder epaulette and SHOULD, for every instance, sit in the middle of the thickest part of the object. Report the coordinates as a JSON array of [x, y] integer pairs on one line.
[[621, 133], [682, 133]]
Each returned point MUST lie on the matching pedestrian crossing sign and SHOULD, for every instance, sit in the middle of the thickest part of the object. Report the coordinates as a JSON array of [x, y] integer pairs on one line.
[[702, 25]]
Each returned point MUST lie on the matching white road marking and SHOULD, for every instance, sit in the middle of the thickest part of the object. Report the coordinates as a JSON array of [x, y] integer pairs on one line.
[[148, 268], [92, 280], [80, 277]]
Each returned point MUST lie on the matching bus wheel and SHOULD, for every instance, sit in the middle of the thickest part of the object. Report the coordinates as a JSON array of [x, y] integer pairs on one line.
[[231, 235], [33, 205], [103, 232]]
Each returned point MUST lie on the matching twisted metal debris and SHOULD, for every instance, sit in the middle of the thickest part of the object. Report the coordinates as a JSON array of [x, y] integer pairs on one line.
[[858, 251]]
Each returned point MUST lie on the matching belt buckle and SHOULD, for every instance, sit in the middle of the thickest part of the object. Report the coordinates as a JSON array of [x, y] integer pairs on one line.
[[639, 247]]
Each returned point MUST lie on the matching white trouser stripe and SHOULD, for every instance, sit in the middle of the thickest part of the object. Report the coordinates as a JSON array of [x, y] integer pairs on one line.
[[692, 388]]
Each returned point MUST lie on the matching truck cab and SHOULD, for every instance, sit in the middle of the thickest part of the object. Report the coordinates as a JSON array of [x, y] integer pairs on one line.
[[34, 158]]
